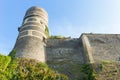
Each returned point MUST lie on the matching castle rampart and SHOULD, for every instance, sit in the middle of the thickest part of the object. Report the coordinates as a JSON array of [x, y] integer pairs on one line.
[[65, 54]]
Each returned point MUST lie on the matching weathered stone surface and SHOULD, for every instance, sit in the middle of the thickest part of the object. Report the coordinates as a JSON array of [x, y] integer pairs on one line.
[[64, 49], [30, 47], [105, 46], [87, 49], [64, 55], [30, 42]]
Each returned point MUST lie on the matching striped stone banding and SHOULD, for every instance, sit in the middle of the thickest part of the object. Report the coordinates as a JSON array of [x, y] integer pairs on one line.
[[44, 19], [36, 10], [37, 22], [36, 27], [37, 16], [37, 13], [31, 33]]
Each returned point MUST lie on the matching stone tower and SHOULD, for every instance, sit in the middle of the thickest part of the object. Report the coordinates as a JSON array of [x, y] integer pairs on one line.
[[31, 39]]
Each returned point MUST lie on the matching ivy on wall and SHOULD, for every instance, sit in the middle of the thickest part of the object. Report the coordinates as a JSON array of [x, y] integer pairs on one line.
[[47, 31]]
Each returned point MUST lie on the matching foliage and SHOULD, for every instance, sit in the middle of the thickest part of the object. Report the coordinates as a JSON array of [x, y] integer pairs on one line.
[[47, 31], [9, 71], [12, 53], [57, 37], [24, 69], [88, 72], [4, 61]]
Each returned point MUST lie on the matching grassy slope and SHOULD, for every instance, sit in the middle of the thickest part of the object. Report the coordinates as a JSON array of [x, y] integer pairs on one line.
[[24, 69]]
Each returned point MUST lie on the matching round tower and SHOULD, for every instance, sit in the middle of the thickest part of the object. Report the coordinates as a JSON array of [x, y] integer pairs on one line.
[[31, 39]]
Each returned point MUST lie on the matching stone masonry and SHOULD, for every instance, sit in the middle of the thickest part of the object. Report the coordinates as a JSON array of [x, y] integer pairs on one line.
[[30, 41], [66, 54]]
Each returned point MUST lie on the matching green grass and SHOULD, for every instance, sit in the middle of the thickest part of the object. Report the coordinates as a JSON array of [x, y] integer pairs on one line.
[[57, 37]]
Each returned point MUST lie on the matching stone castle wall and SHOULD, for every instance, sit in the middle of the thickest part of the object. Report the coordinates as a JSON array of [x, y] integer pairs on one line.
[[30, 42], [64, 50], [105, 46], [24, 48], [65, 55]]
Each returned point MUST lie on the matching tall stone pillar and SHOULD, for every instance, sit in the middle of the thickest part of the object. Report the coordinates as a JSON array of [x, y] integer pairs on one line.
[[31, 39]]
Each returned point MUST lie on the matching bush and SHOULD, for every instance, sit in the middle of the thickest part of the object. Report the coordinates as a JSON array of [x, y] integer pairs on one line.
[[12, 53], [88, 72], [57, 37], [4, 61], [24, 69]]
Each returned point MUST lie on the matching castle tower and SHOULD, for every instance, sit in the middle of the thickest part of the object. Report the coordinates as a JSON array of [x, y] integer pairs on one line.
[[31, 39]]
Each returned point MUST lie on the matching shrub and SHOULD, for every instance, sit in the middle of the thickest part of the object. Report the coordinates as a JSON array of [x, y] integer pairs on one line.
[[12, 53], [4, 61], [24, 69], [88, 72]]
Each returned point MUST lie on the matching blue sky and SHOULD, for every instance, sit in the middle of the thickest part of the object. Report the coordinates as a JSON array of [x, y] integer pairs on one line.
[[66, 17]]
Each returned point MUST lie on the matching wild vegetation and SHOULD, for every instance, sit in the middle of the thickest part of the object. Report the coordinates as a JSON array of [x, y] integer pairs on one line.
[[12, 68], [57, 37], [53, 37], [47, 31], [24, 69], [107, 70], [88, 72]]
